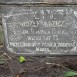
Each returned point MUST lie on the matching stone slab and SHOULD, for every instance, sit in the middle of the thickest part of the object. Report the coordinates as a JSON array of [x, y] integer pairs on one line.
[[41, 30], [39, 1]]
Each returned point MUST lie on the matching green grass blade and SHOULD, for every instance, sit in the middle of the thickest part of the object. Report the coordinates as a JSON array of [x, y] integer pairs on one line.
[[70, 73], [2, 62]]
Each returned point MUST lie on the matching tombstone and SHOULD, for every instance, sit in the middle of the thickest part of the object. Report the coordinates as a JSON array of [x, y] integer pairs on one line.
[[40, 30]]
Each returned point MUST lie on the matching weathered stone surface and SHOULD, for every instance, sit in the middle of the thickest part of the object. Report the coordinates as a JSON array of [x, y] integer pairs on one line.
[[41, 30], [19, 1], [43, 1]]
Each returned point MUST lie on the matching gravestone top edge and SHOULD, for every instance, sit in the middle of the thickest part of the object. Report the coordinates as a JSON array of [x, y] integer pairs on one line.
[[38, 1]]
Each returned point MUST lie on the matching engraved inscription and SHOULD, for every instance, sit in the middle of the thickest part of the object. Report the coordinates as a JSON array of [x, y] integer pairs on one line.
[[41, 30]]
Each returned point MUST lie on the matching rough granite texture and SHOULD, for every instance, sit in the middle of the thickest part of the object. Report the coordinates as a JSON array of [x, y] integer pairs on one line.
[[15, 66], [45, 1]]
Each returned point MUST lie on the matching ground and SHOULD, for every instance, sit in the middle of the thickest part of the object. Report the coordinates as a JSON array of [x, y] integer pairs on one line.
[[43, 66]]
